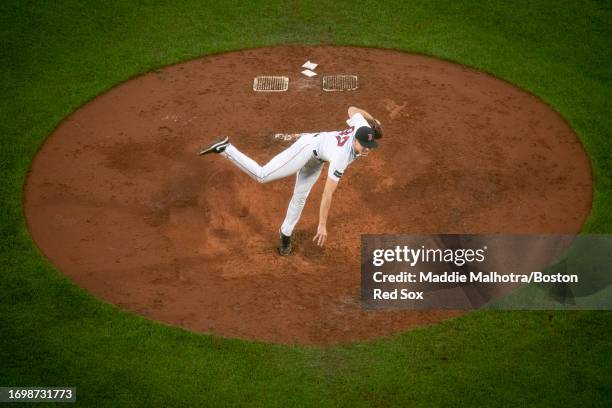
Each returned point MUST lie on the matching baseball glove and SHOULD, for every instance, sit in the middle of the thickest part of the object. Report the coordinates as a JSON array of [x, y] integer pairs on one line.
[[377, 127]]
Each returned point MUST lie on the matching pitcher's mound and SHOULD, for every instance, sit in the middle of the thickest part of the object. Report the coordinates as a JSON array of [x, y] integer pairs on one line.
[[120, 202]]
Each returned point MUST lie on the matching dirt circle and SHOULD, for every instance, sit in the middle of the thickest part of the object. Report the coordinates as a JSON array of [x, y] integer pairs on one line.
[[119, 201]]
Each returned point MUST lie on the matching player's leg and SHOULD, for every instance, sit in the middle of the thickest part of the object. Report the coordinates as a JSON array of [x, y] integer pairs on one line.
[[284, 164], [305, 179]]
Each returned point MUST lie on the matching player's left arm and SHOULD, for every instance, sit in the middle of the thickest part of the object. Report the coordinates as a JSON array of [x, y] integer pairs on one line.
[[372, 121], [353, 110], [328, 192]]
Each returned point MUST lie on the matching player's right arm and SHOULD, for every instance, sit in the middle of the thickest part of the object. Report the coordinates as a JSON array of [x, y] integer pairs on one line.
[[328, 192]]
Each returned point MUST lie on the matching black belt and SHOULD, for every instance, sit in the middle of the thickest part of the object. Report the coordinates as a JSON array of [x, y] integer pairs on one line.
[[314, 151]]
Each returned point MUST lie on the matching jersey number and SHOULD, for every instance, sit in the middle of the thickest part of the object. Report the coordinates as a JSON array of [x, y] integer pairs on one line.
[[343, 135]]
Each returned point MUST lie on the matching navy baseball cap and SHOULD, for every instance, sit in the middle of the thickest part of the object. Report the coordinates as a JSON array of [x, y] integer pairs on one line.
[[365, 135]]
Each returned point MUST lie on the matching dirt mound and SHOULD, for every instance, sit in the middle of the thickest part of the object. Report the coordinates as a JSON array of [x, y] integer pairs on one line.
[[119, 201]]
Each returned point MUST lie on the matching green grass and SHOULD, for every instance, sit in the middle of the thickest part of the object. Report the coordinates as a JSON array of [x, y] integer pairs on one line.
[[55, 56]]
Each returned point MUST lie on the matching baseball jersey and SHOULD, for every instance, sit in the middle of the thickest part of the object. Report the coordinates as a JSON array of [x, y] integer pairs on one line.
[[337, 147]]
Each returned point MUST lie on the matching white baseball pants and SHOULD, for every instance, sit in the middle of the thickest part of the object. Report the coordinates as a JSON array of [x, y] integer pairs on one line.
[[296, 159]]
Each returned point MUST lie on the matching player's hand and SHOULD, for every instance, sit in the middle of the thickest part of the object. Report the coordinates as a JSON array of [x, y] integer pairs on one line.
[[377, 127], [321, 236]]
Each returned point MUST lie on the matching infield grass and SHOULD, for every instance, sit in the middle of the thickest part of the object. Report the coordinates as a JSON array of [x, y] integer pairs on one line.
[[55, 56]]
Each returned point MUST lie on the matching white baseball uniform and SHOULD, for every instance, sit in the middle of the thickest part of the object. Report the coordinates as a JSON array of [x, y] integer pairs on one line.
[[305, 158]]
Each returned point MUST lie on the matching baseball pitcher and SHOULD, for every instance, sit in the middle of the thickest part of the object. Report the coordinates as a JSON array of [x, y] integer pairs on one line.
[[305, 158]]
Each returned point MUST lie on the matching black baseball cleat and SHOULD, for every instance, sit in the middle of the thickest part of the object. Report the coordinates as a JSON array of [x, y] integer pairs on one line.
[[284, 248], [217, 147]]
